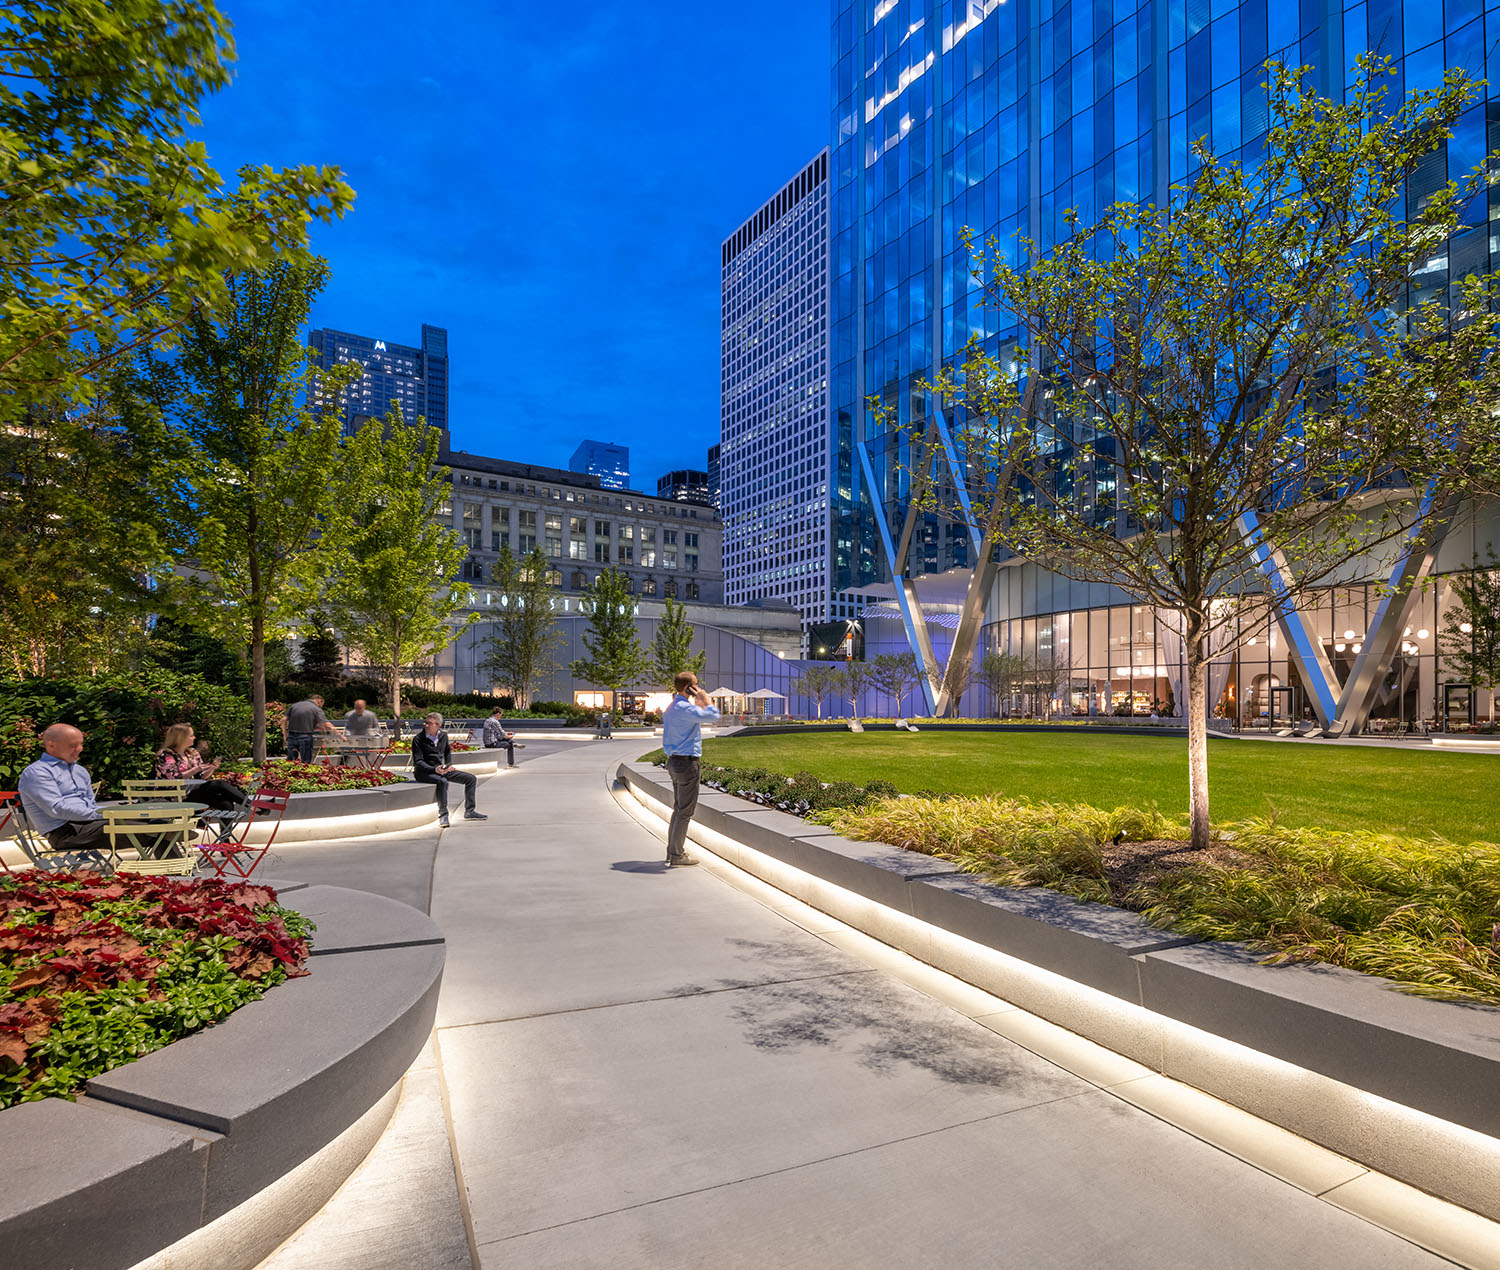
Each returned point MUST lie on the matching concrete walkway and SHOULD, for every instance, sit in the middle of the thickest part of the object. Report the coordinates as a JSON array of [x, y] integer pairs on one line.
[[642, 1068]]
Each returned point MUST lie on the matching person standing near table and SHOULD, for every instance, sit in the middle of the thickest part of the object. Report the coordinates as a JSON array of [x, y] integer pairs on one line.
[[362, 726], [302, 721], [682, 739]]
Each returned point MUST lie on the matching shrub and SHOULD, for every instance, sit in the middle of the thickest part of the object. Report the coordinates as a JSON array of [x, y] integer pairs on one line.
[[123, 718], [95, 972], [286, 776]]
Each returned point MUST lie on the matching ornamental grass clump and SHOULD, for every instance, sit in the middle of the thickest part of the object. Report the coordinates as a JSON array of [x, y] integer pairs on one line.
[[97, 971], [1419, 911]]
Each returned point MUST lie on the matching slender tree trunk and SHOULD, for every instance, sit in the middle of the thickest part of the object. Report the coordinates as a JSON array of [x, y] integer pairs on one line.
[[258, 687], [1197, 721], [396, 692]]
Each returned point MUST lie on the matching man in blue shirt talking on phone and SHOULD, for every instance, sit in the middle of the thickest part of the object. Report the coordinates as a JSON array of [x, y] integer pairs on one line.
[[682, 738]]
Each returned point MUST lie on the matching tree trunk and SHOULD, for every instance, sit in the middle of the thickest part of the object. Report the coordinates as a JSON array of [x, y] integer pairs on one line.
[[258, 687], [1197, 721], [396, 693]]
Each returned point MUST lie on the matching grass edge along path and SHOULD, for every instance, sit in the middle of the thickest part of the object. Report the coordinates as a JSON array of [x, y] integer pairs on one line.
[[1301, 785], [1420, 912]]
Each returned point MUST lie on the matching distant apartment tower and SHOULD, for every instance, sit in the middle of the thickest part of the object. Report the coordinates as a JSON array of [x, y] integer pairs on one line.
[[685, 485], [713, 475], [774, 461], [417, 378], [609, 462]]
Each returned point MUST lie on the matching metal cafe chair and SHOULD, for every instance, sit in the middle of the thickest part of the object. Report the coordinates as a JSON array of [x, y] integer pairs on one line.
[[160, 834], [232, 854], [49, 859], [7, 813], [142, 791]]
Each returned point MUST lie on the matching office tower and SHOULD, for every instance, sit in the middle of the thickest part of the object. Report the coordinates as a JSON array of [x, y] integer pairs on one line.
[[999, 118], [417, 377], [713, 474], [782, 510], [609, 462], [685, 485]]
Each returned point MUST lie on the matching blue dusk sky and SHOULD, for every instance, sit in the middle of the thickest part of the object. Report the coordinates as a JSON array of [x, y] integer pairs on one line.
[[550, 183]]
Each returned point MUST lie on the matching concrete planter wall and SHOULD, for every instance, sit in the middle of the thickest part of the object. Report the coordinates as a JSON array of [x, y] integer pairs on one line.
[[175, 1150], [1401, 1084]]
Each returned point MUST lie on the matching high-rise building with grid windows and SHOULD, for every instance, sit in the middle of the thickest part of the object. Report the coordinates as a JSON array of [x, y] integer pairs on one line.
[[1000, 117], [417, 378], [776, 493]]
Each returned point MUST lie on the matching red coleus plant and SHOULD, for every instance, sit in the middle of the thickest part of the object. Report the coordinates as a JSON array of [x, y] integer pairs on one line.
[[286, 776], [97, 971]]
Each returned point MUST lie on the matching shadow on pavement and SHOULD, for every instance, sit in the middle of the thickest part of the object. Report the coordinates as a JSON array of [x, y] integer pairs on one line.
[[639, 866]]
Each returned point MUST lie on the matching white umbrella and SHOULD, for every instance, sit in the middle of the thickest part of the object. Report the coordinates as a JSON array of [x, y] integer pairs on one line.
[[723, 692], [766, 694]]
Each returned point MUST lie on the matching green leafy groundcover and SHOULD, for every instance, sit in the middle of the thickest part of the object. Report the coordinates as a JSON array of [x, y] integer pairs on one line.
[[97, 971], [286, 776]]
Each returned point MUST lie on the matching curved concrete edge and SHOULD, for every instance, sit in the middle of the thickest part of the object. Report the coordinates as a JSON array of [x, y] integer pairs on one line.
[[481, 762], [1400, 1084], [157, 1149]]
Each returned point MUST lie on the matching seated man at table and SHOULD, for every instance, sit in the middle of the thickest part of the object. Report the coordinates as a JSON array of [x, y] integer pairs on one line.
[[57, 794], [432, 762]]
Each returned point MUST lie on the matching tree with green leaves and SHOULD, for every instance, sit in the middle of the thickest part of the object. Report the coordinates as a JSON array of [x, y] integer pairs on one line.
[[955, 681], [894, 674], [395, 594], [1207, 405], [320, 659], [80, 533], [114, 227], [853, 679], [616, 658], [1002, 673], [818, 680], [263, 488], [524, 638], [672, 648], [1469, 637]]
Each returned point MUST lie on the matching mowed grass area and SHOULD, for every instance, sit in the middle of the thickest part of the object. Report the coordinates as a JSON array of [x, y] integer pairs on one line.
[[1454, 796]]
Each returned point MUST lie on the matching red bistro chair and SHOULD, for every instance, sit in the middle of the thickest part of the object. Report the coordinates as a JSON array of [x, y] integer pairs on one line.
[[6, 796], [231, 854]]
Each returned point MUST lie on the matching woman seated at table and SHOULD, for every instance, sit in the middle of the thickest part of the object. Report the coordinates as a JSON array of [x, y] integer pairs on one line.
[[177, 760]]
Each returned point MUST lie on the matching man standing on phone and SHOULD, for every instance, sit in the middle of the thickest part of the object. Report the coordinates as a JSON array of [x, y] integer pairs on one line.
[[682, 738]]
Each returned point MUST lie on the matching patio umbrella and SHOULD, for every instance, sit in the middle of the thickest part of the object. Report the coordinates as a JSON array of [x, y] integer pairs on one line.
[[723, 692], [765, 694]]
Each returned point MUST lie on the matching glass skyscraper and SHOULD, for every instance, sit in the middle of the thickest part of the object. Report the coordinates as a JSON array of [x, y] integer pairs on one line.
[[417, 378], [999, 118], [604, 459]]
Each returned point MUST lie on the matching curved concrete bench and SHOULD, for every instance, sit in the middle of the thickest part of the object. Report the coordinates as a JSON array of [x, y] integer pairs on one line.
[[1399, 1083], [353, 813], [481, 762], [176, 1150]]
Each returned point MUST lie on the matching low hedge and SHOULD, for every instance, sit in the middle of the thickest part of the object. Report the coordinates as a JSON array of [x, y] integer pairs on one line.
[[285, 776], [798, 794], [123, 718], [96, 972]]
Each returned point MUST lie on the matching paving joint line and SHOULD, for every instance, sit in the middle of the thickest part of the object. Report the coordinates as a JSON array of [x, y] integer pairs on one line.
[[669, 996], [792, 1168], [453, 1152]]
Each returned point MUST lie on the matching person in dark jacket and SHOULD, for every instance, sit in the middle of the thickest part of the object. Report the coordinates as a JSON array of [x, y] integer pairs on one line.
[[431, 763]]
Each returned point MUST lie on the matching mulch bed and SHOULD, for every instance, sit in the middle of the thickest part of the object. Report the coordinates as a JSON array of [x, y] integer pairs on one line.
[[1131, 864]]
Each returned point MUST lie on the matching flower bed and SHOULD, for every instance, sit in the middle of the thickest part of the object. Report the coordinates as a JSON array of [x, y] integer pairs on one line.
[[283, 776], [799, 794], [95, 972]]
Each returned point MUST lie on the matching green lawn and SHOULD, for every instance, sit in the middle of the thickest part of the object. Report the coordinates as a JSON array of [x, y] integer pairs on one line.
[[1456, 796]]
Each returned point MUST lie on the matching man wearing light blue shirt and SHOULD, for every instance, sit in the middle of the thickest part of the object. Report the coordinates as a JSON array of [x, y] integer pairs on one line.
[[682, 738], [57, 794]]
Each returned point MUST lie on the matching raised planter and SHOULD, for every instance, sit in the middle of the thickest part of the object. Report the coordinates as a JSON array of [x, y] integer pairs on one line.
[[353, 813], [1402, 1084], [177, 1150]]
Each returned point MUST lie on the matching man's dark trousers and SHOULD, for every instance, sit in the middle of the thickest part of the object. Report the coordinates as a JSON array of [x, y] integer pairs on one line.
[[683, 769], [299, 746], [466, 779]]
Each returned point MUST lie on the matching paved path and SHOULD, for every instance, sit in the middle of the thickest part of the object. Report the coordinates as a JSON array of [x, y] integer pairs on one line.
[[642, 1068]]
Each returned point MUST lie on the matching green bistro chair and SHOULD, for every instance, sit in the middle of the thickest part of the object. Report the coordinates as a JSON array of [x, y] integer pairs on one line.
[[49, 859], [142, 791], [161, 836]]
